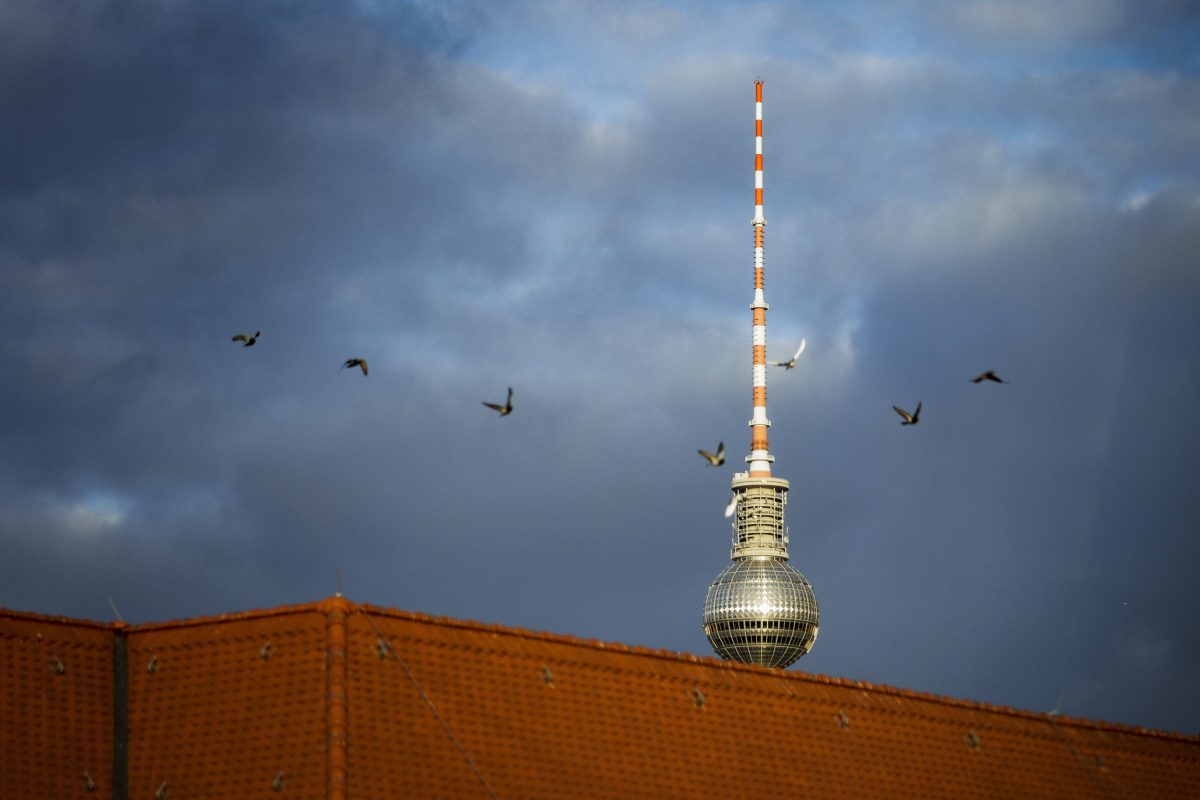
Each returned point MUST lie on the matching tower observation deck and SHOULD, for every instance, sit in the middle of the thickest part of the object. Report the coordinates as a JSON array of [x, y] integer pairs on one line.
[[760, 609]]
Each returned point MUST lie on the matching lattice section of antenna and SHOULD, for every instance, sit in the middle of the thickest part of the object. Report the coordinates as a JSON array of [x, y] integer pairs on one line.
[[758, 525]]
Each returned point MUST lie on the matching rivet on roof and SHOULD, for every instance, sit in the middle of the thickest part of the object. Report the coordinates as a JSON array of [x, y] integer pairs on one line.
[[89, 785], [56, 666], [973, 740], [161, 792], [843, 720], [547, 676], [267, 651], [381, 649], [152, 667], [277, 784], [698, 696]]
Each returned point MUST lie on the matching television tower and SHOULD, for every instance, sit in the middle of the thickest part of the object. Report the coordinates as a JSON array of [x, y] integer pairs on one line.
[[760, 609]]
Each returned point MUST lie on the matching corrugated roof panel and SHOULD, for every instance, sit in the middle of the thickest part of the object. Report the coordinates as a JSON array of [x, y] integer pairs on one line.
[[56, 707], [225, 707], [220, 709], [544, 717]]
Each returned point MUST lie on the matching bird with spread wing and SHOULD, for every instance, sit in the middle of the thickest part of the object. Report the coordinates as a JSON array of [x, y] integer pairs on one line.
[[790, 363], [909, 419], [505, 409], [247, 341], [715, 459]]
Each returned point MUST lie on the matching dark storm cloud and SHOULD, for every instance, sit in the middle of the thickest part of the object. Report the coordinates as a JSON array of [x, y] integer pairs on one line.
[[228, 152], [170, 186], [557, 199], [315, 177], [1160, 28]]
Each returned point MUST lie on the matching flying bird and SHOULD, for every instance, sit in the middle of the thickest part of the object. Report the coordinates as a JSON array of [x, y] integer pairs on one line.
[[247, 341], [792, 362], [732, 507], [361, 363], [909, 419], [987, 376], [1057, 710], [715, 460], [505, 409]]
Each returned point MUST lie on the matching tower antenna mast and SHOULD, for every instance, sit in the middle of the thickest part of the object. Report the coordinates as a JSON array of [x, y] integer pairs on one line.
[[760, 457], [760, 609]]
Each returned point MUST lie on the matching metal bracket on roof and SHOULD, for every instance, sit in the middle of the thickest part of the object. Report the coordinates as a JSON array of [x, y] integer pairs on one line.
[[382, 649], [973, 740], [89, 785], [547, 676], [843, 720], [266, 651], [277, 784], [56, 666], [152, 666], [698, 698]]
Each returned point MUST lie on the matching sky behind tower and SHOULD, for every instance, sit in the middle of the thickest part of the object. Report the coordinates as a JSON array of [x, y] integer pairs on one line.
[[556, 196]]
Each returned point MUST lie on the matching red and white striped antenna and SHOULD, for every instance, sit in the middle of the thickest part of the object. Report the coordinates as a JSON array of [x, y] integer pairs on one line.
[[760, 457]]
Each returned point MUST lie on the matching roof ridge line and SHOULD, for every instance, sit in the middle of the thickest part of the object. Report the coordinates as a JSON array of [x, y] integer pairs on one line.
[[812, 677], [58, 619], [215, 619]]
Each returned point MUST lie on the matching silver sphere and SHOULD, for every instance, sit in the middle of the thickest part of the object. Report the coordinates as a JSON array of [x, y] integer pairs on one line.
[[761, 610]]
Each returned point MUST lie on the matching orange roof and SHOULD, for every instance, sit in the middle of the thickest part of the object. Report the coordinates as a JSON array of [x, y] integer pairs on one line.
[[56, 705], [343, 700]]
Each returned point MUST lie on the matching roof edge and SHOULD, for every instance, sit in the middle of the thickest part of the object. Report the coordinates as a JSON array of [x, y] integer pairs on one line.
[[232, 616], [57, 619]]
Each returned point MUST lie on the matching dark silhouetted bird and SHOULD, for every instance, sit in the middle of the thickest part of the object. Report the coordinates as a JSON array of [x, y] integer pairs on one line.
[[247, 341], [791, 362], [909, 419], [987, 376], [505, 409], [361, 363], [715, 460]]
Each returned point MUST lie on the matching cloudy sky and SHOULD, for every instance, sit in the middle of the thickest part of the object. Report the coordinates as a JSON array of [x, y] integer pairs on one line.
[[557, 196]]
